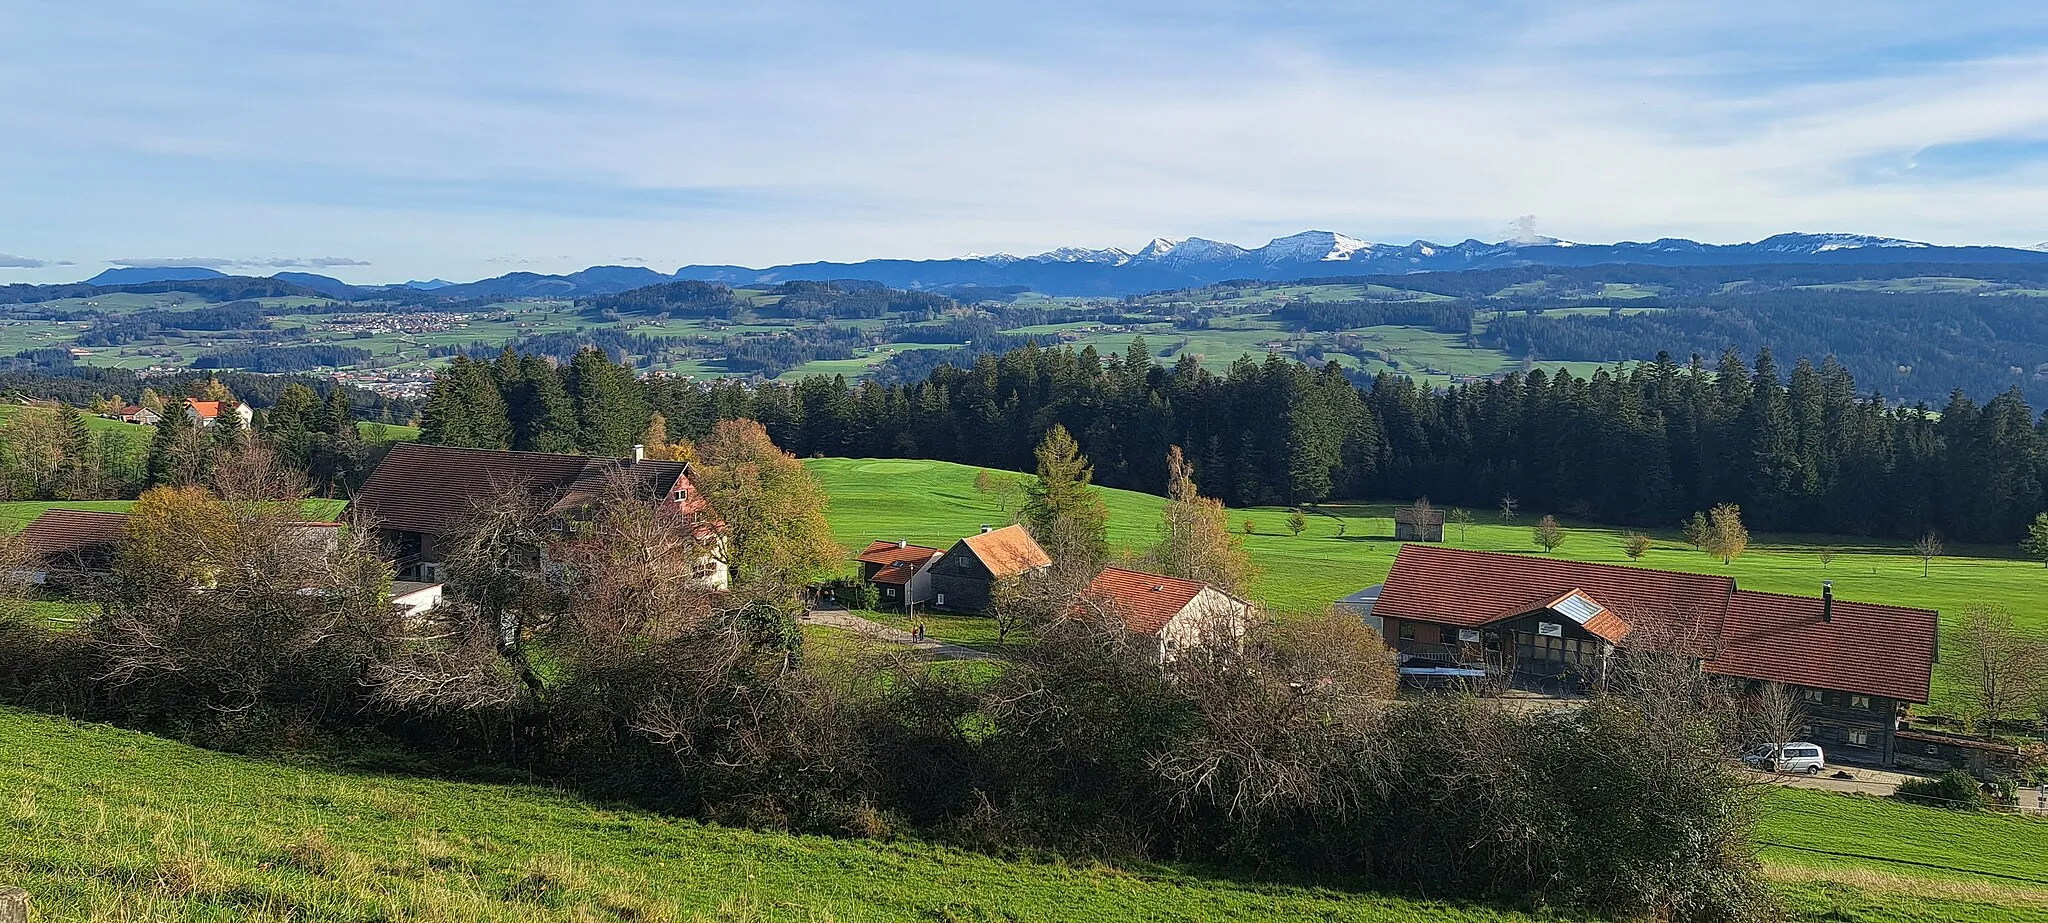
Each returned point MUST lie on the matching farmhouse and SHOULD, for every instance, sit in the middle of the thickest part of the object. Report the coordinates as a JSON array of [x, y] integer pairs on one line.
[[1552, 624], [136, 413], [74, 544], [1177, 614], [420, 496], [207, 413], [900, 571], [967, 577]]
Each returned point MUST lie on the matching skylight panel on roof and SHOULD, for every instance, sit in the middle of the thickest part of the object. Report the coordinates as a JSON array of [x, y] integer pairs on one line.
[[1578, 608]]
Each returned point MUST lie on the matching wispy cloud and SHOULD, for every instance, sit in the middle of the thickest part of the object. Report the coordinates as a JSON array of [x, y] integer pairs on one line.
[[10, 261], [451, 132], [224, 263]]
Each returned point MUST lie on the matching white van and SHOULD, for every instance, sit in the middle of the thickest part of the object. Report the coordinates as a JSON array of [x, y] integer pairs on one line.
[[1798, 756]]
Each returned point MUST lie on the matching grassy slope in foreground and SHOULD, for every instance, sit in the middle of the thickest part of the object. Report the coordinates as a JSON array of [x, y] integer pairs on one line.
[[106, 824]]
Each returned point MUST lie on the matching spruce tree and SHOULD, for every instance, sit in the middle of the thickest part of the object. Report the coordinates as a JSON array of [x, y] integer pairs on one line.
[[611, 410], [1063, 510], [543, 419], [165, 465]]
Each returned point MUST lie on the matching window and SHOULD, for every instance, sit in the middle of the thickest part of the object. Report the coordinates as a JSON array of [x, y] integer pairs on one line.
[[1815, 696], [1407, 632], [1859, 737], [940, 600], [892, 592], [1859, 701]]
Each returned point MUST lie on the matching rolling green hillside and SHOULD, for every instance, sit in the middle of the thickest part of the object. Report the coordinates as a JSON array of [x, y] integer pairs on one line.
[[102, 824], [109, 825]]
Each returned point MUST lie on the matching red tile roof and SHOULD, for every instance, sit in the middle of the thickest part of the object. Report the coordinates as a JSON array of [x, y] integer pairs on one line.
[[886, 553], [1008, 551], [1865, 648], [432, 488], [1146, 602]]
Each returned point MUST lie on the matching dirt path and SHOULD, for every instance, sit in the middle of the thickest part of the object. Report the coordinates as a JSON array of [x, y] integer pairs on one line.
[[846, 621]]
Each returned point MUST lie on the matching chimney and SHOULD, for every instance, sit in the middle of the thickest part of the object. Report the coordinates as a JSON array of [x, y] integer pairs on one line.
[[985, 527], [639, 452], [1827, 600], [903, 543]]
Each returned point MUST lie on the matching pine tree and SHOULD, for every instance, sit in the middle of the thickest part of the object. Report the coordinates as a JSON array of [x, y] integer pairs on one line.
[[294, 424], [78, 478], [611, 410], [543, 418], [1063, 510], [464, 408]]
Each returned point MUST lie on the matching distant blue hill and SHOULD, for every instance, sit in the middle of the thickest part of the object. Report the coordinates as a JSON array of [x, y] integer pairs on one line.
[[132, 275], [325, 285]]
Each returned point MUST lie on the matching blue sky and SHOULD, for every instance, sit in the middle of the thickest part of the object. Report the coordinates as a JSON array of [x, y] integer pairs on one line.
[[377, 141]]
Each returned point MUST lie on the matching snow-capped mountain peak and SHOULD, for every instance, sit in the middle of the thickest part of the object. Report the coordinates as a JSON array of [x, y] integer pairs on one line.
[[1822, 243], [1159, 247], [1109, 255], [1312, 246]]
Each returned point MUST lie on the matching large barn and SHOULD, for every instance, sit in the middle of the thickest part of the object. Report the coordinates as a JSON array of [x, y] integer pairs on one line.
[[1549, 623]]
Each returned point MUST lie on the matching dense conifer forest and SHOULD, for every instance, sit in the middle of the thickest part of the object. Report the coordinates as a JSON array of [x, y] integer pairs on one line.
[[1799, 449]]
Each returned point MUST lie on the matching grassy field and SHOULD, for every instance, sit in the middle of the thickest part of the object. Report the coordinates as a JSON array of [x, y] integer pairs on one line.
[[103, 824], [109, 825], [1858, 858], [1350, 546]]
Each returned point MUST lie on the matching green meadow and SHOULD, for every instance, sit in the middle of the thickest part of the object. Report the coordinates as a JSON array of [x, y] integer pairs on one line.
[[104, 824], [101, 824], [1349, 546]]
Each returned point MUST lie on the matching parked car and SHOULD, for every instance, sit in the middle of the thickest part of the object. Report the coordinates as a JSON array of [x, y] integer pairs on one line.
[[1798, 756]]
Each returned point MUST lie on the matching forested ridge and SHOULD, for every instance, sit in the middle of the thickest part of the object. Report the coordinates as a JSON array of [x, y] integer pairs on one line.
[[1800, 450]]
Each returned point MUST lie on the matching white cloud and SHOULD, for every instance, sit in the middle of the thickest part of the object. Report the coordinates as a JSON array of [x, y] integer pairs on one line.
[[451, 133], [10, 261]]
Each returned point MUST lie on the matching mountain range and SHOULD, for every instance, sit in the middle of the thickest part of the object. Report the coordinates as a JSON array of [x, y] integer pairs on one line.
[[1170, 264]]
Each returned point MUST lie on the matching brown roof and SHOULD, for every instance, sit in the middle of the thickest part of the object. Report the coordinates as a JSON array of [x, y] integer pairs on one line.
[[431, 488], [1146, 602], [1453, 586], [1864, 648], [61, 531], [1007, 551], [886, 553], [69, 531]]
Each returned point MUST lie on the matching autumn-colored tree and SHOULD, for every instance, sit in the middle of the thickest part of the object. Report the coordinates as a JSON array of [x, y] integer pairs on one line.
[[1725, 536], [777, 539], [1297, 522], [1547, 534], [1063, 509], [1636, 545], [1195, 541]]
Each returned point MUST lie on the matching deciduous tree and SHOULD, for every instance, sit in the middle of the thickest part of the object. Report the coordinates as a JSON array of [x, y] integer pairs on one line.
[[1997, 668], [777, 538], [1547, 534], [1725, 536], [1195, 541]]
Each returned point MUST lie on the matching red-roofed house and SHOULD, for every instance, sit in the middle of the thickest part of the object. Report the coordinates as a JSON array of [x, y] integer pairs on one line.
[[900, 571], [1178, 614], [1456, 613], [207, 413]]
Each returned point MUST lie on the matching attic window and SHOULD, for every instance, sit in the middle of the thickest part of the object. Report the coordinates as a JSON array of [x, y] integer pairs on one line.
[[679, 495]]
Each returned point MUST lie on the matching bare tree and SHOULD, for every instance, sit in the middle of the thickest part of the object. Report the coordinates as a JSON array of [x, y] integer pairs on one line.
[[1509, 508], [1547, 534], [1462, 518], [1927, 548], [1826, 553], [1773, 714], [1998, 668]]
